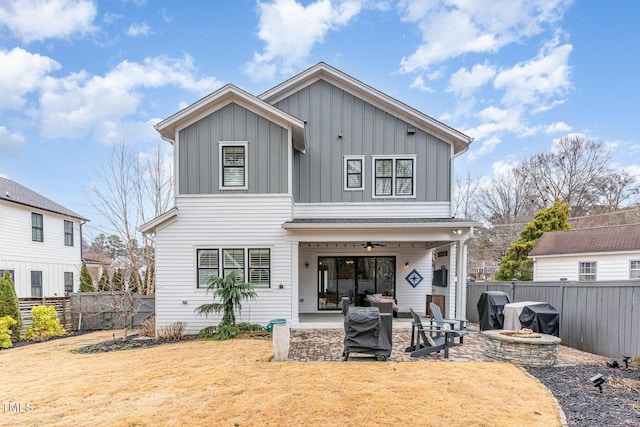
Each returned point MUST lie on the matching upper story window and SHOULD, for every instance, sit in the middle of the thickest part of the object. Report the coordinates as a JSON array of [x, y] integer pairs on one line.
[[587, 271], [68, 233], [353, 173], [37, 231], [634, 270], [207, 266], [394, 176], [233, 165]]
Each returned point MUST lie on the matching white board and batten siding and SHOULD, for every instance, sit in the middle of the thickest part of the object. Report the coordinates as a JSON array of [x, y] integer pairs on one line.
[[609, 266], [18, 252], [223, 222]]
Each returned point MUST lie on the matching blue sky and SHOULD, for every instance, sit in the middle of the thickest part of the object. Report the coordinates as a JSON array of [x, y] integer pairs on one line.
[[78, 76]]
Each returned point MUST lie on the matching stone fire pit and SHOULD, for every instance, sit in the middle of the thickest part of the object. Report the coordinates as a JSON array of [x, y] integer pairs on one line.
[[522, 348]]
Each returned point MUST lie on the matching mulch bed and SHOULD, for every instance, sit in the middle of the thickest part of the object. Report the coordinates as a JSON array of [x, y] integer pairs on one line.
[[132, 341], [582, 402]]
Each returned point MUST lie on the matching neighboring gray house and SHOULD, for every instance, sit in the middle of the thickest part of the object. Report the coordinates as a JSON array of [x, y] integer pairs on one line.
[[592, 254], [318, 189], [41, 242]]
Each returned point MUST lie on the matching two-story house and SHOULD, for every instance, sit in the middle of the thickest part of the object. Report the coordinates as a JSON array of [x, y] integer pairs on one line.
[[41, 242], [320, 188]]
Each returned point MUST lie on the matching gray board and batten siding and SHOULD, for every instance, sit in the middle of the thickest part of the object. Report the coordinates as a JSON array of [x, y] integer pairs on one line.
[[597, 317], [267, 152], [328, 112]]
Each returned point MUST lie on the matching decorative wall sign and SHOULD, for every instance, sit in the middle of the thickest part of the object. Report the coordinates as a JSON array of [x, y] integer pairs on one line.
[[443, 253], [414, 278]]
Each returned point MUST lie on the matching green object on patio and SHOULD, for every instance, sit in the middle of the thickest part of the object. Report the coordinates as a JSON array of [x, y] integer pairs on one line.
[[269, 327]]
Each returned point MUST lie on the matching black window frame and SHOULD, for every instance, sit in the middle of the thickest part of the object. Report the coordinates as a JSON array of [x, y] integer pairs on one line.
[[394, 178], [68, 233], [36, 284], [228, 269], [203, 281], [228, 167], [37, 227], [68, 281], [261, 268]]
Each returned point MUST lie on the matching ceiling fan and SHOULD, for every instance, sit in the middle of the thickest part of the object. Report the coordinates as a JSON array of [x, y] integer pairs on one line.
[[369, 246]]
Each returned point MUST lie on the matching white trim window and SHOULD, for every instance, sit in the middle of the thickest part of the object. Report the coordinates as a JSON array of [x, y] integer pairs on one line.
[[37, 227], [207, 266], [634, 269], [233, 165], [587, 271], [260, 267], [68, 233], [394, 176], [353, 173], [68, 281], [233, 259]]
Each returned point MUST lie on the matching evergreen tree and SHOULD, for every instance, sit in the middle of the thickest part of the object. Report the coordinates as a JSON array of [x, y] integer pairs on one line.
[[104, 284], [515, 264], [117, 280], [9, 304], [86, 282]]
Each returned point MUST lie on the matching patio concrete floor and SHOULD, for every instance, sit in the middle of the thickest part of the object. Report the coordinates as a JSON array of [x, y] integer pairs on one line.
[[320, 338]]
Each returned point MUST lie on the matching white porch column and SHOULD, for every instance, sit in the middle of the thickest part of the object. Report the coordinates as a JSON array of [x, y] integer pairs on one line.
[[295, 282], [461, 282]]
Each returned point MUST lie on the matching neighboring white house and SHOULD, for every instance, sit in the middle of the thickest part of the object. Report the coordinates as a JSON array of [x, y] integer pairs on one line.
[[318, 189], [593, 254], [41, 242]]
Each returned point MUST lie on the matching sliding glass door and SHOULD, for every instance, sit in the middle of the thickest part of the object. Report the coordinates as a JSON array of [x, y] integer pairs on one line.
[[353, 278]]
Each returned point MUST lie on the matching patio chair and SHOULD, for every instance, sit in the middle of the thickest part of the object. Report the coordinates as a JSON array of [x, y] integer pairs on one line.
[[423, 343], [436, 316]]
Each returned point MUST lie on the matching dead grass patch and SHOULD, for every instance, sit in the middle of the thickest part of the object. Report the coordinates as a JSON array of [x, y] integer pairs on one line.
[[232, 382]]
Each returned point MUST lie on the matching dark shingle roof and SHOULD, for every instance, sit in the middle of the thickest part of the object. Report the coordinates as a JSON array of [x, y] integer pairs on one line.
[[13, 192], [618, 238]]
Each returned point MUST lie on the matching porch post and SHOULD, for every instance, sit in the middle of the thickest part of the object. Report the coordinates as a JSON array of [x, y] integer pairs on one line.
[[461, 280], [295, 282]]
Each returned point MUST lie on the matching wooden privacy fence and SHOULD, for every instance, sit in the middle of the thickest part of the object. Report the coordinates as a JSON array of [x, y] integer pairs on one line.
[[61, 304], [597, 317], [106, 310]]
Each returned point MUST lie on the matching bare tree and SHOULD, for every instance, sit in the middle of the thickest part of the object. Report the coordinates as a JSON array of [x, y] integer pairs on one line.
[[465, 195], [507, 199], [571, 173], [130, 190]]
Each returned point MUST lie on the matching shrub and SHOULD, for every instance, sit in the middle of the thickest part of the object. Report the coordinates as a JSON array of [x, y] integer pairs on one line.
[[86, 282], [148, 328], [45, 324], [172, 332], [9, 304], [6, 322]]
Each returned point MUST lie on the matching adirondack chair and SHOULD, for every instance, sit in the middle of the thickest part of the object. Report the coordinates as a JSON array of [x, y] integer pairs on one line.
[[436, 317], [423, 343]]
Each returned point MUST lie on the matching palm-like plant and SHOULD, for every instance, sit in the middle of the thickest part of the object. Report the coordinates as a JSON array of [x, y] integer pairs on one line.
[[230, 292]]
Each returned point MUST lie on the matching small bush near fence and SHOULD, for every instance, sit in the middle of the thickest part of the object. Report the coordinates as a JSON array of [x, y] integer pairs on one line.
[[148, 327], [172, 332], [6, 322], [45, 324]]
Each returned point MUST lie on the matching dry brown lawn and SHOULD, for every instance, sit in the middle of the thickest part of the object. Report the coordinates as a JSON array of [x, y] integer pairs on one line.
[[229, 383]]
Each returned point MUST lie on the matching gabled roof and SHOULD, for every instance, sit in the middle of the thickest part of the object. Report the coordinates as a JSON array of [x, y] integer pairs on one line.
[[224, 96], [323, 71], [11, 191], [619, 238]]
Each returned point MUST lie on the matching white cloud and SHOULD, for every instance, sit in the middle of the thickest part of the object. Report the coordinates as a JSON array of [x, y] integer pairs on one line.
[[21, 73], [451, 28], [537, 81], [464, 82], [557, 127], [137, 30], [290, 30], [418, 83], [103, 105], [10, 142], [31, 20], [486, 147], [502, 168]]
